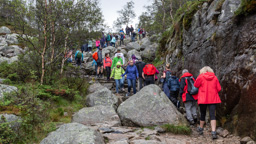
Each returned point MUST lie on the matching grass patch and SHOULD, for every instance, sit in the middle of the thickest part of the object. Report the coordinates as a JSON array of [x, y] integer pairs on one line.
[[247, 7], [157, 62], [177, 129]]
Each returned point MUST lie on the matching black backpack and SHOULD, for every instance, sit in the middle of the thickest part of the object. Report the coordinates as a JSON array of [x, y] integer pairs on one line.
[[168, 75], [191, 88]]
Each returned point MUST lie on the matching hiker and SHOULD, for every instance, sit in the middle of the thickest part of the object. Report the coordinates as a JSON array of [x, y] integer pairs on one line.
[[143, 33], [188, 99], [166, 75], [117, 75], [122, 30], [84, 47], [134, 59], [97, 43], [122, 39], [140, 32], [208, 88], [140, 65], [102, 40], [68, 56], [174, 86], [132, 74], [108, 39], [117, 58], [90, 46], [79, 57], [95, 63], [133, 36], [99, 63], [113, 41], [156, 78], [148, 74], [107, 65], [121, 55], [131, 29], [127, 30]]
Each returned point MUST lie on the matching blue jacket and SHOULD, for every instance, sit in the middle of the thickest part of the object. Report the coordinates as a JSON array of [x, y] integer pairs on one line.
[[77, 53], [173, 83], [103, 39], [122, 37], [94, 63], [132, 72]]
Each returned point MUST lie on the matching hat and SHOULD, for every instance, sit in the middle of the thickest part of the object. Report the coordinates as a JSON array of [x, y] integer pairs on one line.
[[118, 63]]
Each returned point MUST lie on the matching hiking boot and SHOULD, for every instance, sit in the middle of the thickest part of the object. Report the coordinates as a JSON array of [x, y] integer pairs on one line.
[[127, 94], [214, 135], [195, 120], [200, 130], [178, 104], [191, 122]]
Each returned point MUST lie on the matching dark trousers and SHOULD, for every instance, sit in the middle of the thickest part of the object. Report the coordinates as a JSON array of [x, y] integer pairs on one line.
[[212, 109], [113, 44], [89, 49], [141, 83], [174, 96], [167, 90], [78, 62], [149, 80], [108, 69], [121, 41]]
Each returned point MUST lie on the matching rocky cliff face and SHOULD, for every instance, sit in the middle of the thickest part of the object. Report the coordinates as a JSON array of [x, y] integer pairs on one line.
[[227, 44]]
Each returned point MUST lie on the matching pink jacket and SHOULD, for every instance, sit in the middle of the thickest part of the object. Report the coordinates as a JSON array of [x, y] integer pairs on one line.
[[97, 43], [157, 72]]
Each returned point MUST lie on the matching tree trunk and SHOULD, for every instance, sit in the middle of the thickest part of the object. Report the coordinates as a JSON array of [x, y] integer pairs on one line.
[[45, 44], [65, 51], [52, 32], [171, 11]]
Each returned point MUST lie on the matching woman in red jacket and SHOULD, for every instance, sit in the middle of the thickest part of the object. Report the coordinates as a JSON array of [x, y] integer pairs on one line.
[[208, 88]]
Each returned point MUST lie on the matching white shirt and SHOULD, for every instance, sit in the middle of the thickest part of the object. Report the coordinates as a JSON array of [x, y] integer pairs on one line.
[[121, 55]]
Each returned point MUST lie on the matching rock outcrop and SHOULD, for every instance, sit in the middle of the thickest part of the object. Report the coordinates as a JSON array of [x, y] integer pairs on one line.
[[97, 115], [73, 133], [13, 120], [6, 89], [227, 43], [149, 107]]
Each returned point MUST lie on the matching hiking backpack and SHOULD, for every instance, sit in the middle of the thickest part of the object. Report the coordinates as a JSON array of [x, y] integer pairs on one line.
[[168, 75], [95, 56], [149, 69], [191, 88], [79, 55], [173, 84]]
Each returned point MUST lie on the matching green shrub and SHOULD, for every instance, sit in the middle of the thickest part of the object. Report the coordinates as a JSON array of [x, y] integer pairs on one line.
[[7, 134], [247, 7], [177, 129]]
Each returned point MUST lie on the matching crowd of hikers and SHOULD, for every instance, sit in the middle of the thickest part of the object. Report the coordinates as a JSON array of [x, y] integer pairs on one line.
[[202, 91]]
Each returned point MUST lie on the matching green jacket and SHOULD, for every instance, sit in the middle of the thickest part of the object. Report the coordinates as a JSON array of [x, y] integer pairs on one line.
[[117, 73], [115, 60]]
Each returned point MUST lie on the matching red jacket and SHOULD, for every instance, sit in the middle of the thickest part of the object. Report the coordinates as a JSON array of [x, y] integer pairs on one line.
[[184, 88], [209, 87], [107, 62]]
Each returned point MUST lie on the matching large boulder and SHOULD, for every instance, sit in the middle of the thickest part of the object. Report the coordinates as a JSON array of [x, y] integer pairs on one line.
[[149, 53], [6, 89], [13, 120], [10, 51], [145, 42], [124, 52], [73, 133], [88, 68], [133, 45], [12, 38], [9, 60], [95, 87], [5, 30], [102, 97], [149, 107], [110, 48], [97, 115], [135, 52]]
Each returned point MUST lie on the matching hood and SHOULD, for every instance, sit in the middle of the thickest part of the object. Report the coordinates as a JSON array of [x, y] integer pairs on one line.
[[186, 75], [118, 63], [209, 76], [133, 56], [174, 77]]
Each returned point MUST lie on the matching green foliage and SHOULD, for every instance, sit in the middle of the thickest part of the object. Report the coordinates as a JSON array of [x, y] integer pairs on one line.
[[147, 138], [177, 129], [247, 7], [7, 134], [157, 62]]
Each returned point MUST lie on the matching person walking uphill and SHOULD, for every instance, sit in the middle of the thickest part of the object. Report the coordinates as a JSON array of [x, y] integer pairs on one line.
[[79, 57], [140, 65], [117, 74], [208, 88], [107, 65], [174, 86], [100, 63], [188, 98], [148, 74], [166, 75], [132, 74]]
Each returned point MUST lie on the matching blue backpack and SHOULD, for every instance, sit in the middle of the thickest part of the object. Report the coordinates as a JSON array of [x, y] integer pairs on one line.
[[173, 83]]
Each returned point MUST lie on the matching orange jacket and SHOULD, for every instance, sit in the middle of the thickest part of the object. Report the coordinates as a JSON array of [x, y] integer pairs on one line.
[[107, 62]]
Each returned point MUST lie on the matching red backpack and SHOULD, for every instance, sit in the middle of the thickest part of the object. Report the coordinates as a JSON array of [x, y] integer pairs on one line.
[[95, 56], [149, 69]]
